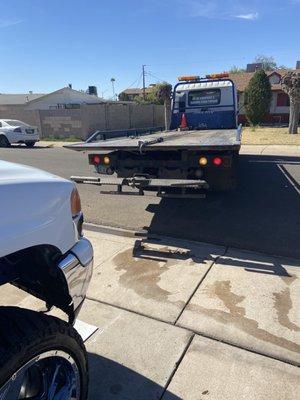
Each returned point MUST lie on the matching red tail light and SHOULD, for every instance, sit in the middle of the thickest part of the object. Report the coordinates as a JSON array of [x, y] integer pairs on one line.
[[217, 161], [96, 160]]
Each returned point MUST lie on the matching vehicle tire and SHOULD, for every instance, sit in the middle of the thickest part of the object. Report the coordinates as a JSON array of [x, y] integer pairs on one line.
[[4, 141], [30, 144], [40, 357]]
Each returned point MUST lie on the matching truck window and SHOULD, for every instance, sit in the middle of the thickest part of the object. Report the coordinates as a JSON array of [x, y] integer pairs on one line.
[[204, 97]]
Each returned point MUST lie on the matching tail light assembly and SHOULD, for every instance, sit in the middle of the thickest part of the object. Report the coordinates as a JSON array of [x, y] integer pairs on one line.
[[96, 159], [102, 164], [214, 161]]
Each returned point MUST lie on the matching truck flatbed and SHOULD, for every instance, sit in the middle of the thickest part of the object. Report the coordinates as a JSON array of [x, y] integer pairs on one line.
[[218, 139]]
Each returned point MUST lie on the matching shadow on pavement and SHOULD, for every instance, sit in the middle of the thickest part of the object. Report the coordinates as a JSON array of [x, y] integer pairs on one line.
[[263, 214], [111, 380]]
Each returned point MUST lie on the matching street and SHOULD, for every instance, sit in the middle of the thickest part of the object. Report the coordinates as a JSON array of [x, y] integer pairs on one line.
[[263, 214], [192, 298]]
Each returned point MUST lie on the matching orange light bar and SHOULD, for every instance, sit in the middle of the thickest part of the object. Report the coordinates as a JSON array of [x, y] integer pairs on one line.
[[218, 76], [188, 78]]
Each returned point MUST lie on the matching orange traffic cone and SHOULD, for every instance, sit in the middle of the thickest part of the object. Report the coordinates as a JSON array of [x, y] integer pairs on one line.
[[183, 123]]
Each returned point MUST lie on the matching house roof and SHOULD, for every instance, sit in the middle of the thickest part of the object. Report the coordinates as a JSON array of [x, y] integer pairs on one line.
[[138, 91], [241, 80], [26, 98], [15, 99], [67, 90]]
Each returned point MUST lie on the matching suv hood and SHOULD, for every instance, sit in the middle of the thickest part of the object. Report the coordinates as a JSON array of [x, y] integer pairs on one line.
[[14, 173], [35, 209]]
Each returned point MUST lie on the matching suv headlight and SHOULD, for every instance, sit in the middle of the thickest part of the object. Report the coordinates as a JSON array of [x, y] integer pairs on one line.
[[75, 203], [76, 210]]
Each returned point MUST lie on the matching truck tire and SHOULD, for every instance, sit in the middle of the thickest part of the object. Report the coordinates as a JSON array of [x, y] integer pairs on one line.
[[4, 141], [41, 357]]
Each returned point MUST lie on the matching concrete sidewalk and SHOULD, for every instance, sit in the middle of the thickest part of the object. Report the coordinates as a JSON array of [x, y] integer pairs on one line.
[[271, 150], [186, 320]]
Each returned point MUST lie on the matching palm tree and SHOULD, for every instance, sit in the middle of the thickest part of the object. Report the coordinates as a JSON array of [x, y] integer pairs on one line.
[[164, 91], [291, 85]]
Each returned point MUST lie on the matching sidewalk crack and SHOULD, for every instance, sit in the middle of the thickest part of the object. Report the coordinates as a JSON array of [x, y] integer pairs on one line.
[[177, 364], [199, 283]]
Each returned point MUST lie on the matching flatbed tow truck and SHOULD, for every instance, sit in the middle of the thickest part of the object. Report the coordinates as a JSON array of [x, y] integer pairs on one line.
[[198, 154]]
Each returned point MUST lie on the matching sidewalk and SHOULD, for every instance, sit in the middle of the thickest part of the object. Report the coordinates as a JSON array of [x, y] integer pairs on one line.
[[271, 149], [186, 320]]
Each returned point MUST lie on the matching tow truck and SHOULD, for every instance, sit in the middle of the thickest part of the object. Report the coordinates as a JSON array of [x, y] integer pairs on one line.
[[198, 154]]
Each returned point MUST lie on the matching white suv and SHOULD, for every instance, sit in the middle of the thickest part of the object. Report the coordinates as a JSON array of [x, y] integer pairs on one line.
[[42, 251], [14, 131]]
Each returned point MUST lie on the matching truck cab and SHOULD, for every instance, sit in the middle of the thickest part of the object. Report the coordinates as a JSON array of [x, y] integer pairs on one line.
[[209, 103]]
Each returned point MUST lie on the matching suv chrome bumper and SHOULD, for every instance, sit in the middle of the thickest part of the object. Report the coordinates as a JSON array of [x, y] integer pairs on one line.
[[77, 268]]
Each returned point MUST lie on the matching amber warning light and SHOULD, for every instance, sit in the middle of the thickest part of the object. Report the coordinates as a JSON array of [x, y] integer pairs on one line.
[[218, 76], [188, 78]]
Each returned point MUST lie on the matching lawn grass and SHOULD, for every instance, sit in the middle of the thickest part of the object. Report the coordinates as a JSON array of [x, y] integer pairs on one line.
[[61, 139], [266, 135]]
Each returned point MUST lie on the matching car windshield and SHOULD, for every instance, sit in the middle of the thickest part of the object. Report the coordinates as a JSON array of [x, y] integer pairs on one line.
[[14, 122]]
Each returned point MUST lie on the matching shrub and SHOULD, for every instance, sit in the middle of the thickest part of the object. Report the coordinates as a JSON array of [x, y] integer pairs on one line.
[[258, 97]]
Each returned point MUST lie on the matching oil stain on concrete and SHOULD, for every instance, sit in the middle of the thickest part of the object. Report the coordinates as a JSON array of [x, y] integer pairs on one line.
[[237, 316], [142, 275], [283, 304]]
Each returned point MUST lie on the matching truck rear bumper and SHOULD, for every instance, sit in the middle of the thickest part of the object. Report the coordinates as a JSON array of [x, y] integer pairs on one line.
[[77, 267], [142, 183]]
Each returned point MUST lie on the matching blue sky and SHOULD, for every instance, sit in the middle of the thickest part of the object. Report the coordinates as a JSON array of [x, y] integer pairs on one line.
[[46, 44]]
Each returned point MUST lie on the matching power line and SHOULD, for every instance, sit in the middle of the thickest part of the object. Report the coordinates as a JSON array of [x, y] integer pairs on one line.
[[154, 76], [137, 81]]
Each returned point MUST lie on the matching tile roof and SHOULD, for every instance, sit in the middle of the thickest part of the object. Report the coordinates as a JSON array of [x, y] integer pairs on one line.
[[242, 79]]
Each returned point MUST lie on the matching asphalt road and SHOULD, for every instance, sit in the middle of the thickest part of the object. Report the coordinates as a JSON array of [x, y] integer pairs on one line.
[[263, 214]]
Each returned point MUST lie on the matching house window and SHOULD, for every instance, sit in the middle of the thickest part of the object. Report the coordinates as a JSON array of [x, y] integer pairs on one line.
[[274, 79], [283, 100]]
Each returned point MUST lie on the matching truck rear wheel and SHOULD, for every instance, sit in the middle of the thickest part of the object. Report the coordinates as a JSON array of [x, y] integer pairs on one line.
[[41, 357]]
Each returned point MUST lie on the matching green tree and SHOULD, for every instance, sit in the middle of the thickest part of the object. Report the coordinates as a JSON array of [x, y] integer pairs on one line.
[[236, 70], [153, 97], [268, 62], [150, 98], [258, 97], [163, 93]]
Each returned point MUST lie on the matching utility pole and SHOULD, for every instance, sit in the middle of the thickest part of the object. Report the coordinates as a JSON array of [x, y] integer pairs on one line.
[[144, 85]]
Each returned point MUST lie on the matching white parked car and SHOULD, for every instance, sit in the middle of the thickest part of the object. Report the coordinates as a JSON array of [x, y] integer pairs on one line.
[[14, 131], [42, 251]]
